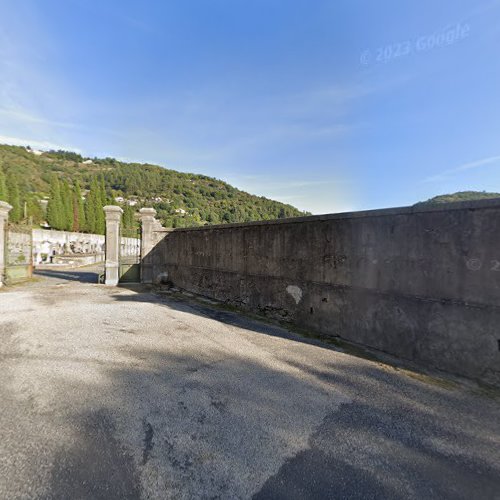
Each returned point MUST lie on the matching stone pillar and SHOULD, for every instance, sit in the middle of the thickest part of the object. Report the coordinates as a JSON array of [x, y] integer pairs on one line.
[[148, 223], [112, 266], [5, 208]]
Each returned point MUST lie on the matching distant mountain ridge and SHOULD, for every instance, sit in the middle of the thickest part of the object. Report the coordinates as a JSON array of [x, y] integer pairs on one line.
[[459, 196], [181, 199]]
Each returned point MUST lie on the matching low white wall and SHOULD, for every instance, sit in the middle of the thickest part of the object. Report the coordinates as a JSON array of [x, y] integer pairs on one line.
[[130, 247], [77, 260], [48, 243]]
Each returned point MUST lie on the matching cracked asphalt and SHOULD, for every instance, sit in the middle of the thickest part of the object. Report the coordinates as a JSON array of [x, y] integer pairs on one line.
[[119, 393]]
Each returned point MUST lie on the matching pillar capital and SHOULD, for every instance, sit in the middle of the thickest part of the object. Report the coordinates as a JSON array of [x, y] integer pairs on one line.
[[113, 212], [5, 208], [113, 208], [147, 214]]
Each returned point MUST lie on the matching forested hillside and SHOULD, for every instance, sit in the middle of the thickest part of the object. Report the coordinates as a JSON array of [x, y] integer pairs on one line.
[[49, 186], [459, 196]]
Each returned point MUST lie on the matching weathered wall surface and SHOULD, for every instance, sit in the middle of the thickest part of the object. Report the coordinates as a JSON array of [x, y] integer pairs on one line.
[[419, 283]]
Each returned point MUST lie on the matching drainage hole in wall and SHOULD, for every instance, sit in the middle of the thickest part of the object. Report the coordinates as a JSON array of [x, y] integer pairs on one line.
[[499, 344], [324, 299], [312, 310]]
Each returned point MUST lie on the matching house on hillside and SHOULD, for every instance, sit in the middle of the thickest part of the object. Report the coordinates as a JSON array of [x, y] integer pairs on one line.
[[180, 211], [36, 152]]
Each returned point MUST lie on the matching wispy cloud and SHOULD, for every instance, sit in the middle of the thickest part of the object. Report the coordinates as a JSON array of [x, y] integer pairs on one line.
[[314, 195], [462, 168], [272, 183], [44, 145], [37, 105], [27, 117]]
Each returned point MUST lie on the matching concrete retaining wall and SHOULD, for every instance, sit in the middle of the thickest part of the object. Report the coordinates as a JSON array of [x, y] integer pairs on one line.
[[419, 283]]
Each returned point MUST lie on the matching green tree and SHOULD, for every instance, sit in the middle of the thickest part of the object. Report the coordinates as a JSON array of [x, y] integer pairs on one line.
[[14, 198], [100, 201], [78, 209], [127, 217], [102, 192], [90, 212], [67, 204], [94, 208], [55, 209], [206, 199], [129, 222], [34, 209], [3, 186]]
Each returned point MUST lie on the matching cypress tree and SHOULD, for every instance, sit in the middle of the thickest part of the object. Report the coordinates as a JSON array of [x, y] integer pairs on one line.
[[95, 213], [127, 217], [129, 223], [3, 186], [14, 198], [99, 201], [55, 209], [102, 191], [67, 204], [90, 212], [78, 209], [35, 211]]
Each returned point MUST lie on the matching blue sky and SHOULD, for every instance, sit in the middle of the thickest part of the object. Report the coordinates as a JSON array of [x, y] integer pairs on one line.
[[329, 105]]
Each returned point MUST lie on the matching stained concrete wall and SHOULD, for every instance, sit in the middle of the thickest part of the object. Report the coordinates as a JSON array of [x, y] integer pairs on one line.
[[419, 283]]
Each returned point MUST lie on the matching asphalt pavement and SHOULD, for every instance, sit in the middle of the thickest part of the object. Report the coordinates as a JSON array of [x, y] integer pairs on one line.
[[121, 393]]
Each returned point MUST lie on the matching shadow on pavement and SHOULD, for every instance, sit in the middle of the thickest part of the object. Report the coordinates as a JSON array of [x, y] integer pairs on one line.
[[192, 409], [82, 276], [214, 429]]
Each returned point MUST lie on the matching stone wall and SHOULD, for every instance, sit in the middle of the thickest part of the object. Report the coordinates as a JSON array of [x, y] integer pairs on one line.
[[49, 243], [51, 246], [420, 283]]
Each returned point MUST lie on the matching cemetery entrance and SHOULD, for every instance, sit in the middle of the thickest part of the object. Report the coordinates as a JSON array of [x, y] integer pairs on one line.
[[130, 257]]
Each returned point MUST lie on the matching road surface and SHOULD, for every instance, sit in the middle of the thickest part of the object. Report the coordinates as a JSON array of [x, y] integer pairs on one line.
[[114, 393]]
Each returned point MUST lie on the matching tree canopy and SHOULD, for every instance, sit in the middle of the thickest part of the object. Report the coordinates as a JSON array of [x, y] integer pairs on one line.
[[181, 199], [459, 196]]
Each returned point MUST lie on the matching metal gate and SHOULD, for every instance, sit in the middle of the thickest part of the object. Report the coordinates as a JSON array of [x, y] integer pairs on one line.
[[130, 257], [18, 253]]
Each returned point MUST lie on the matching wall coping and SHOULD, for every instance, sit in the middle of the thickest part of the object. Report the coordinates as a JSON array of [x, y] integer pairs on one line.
[[490, 203], [40, 230]]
